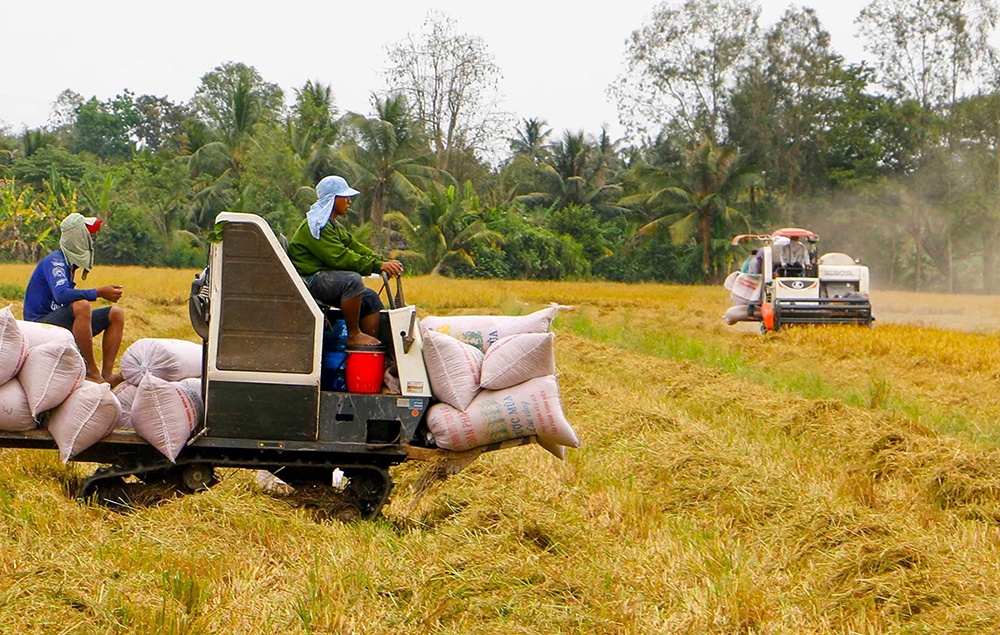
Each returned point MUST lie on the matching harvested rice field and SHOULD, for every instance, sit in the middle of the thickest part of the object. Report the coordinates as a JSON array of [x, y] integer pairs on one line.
[[816, 480]]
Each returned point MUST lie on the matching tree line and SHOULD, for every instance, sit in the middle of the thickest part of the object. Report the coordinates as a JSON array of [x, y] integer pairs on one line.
[[733, 127]]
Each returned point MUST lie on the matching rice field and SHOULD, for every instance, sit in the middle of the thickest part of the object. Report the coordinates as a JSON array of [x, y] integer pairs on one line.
[[816, 480]]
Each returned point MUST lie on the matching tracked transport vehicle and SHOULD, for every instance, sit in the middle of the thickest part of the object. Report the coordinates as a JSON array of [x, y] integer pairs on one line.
[[265, 408]]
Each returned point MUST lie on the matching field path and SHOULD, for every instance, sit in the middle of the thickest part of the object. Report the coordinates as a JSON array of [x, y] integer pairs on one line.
[[946, 311]]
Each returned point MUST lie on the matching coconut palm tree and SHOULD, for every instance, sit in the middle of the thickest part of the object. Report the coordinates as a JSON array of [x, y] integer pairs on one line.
[[387, 158], [34, 140], [236, 103], [530, 141], [607, 159], [312, 129], [574, 175], [442, 230], [211, 196], [700, 206], [227, 149]]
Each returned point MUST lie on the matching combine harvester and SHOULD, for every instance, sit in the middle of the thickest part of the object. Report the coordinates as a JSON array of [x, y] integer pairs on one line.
[[829, 289]]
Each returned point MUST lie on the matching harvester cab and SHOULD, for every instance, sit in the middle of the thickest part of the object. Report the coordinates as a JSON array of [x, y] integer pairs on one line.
[[796, 286]]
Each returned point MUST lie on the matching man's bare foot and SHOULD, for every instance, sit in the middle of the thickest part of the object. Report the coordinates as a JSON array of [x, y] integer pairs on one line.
[[114, 379], [97, 379], [363, 339]]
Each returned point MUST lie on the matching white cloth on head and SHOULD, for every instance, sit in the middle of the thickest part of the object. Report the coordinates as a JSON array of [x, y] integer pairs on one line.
[[327, 190], [76, 243], [319, 214]]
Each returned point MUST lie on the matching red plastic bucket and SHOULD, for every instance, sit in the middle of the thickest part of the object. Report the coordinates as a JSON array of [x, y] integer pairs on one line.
[[365, 368]]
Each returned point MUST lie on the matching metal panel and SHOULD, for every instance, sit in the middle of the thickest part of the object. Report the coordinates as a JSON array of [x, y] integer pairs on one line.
[[265, 324], [262, 411], [373, 419], [413, 379]]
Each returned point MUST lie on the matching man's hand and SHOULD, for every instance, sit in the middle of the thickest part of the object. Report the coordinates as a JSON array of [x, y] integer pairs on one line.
[[112, 292], [392, 267]]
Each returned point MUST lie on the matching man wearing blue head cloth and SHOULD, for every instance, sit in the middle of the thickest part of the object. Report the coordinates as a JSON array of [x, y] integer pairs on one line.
[[332, 261]]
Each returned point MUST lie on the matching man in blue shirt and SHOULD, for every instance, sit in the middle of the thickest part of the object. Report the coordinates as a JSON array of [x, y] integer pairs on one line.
[[52, 297]]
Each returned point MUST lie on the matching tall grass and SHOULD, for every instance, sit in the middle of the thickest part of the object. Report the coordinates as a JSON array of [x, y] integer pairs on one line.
[[819, 480]]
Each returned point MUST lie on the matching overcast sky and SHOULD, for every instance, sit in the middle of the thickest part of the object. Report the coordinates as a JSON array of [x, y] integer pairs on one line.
[[557, 56]]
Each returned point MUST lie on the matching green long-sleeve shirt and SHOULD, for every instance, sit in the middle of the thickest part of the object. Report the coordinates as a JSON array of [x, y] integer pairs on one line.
[[336, 249]]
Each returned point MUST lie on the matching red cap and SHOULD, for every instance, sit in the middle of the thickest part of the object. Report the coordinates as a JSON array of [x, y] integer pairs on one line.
[[93, 224]]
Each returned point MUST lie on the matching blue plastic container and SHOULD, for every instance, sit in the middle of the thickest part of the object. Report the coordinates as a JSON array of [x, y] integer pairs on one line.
[[335, 338], [332, 371]]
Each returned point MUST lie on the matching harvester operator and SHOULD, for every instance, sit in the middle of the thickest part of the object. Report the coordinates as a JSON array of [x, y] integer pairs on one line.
[[794, 256], [331, 261], [52, 297]]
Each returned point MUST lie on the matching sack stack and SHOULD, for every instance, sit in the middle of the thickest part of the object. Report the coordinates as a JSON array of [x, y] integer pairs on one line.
[[162, 401], [496, 381], [42, 378], [482, 331]]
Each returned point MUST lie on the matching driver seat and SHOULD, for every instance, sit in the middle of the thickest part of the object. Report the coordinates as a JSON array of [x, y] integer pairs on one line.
[[330, 313]]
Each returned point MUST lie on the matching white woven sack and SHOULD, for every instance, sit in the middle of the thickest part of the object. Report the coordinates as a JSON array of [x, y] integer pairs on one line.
[[531, 408], [51, 373], [730, 280], [13, 346], [515, 359], [747, 287], [126, 396], [125, 393], [738, 313], [84, 418], [482, 331], [37, 333], [171, 360], [164, 413], [194, 383], [15, 415], [453, 369], [558, 451]]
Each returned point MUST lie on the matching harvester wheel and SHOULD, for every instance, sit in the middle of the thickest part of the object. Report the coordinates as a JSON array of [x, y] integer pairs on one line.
[[368, 489], [198, 476], [110, 492], [347, 514]]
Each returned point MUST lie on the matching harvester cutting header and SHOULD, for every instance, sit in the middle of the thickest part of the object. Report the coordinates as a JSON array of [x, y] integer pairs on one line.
[[785, 282]]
